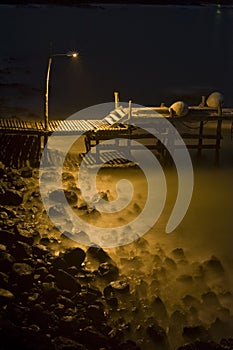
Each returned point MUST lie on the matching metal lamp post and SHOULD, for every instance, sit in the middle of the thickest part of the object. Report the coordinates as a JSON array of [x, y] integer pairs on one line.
[[46, 115]]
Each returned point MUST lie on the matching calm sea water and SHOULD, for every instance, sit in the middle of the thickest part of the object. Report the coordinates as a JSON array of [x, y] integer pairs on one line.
[[150, 54]]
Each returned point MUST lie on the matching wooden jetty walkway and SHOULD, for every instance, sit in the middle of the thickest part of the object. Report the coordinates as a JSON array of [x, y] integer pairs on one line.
[[22, 141]]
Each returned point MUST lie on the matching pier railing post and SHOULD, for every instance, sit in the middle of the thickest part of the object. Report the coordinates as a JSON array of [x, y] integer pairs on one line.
[[129, 128], [116, 98]]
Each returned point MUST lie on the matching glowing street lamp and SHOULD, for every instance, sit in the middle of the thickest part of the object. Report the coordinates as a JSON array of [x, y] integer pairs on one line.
[[46, 115]]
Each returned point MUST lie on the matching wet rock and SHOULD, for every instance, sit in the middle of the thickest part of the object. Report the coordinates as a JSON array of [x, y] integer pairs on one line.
[[86, 297], [73, 270], [26, 172], [210, 299], [67, 302], [11, 197], [179, 108], [6, 261], [62, 343], [3, 280], [61, 196], [92, 338], [108, 271], [58, 263], [178, 253], [50, 292], [7, 237], [21, 250], [185, 279], [134, 262], [82, 237], [178, 318], [215, 99], [66, 281], [98, 253], [3, 248], [112, 301], [228, 343], [68, 325], [224, 314], [82, 204], [120, 286], [157, 259], [74, 257], [226, 299], [194, 333], [190, 301], [17, 184], [170, 264], [39, 251], [57, 210], [158, 335], [159, 309], [200, 345], [5, 297], [68, 177], [129, 345], [214, 267], [41, 317], [42, 271], [24, 235], [96, 314], [49, 176], [23, 274], [45, 241], [219, 328], [49, 278]]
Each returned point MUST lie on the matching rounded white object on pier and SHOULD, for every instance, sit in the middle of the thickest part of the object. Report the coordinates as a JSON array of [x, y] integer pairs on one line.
[[180, 109], [215, 99]]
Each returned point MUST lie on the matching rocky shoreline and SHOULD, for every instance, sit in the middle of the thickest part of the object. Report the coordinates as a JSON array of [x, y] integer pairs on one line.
[[57, 295]]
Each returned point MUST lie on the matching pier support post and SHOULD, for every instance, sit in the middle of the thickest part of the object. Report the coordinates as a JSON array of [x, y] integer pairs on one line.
[[200, 139]]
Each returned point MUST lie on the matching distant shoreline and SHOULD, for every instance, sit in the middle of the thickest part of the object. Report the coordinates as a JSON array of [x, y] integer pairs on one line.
[[87, 3]]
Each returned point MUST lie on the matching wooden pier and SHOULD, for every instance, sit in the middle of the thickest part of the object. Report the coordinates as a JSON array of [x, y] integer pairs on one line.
[[22, 141]]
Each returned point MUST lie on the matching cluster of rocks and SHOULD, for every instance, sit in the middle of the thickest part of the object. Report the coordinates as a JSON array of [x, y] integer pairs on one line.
[[57, 295], [52, 302]]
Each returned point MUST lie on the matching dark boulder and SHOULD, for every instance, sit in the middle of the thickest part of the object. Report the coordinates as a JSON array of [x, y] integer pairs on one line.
[[62, 343], [159, 309], [158, 336], [7, 237], [40, 251], [11, 197], [6, 261], [21, 250], [213, 267], [23, 275], [120, 286], [66, 281], [74, 257], [98, 253], [108, 271], [195, 332], [23, 235], [60, 195], [26, 172], [5, 297]]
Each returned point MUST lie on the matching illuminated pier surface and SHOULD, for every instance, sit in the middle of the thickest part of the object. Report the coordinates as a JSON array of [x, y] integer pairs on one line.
[[201, 129]]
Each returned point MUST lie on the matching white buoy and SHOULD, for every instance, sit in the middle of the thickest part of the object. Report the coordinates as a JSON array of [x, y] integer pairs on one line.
[[215, 99], [179, 109]]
